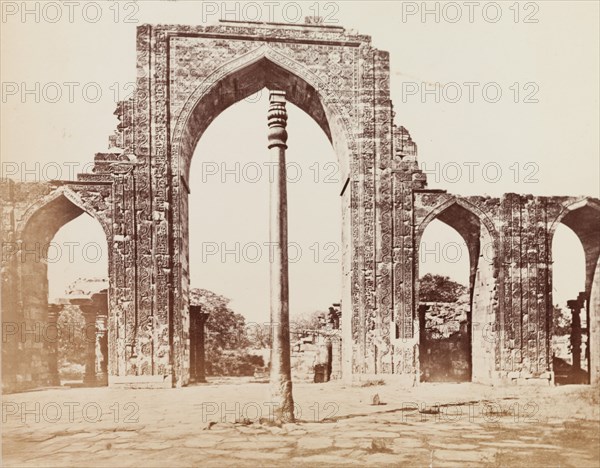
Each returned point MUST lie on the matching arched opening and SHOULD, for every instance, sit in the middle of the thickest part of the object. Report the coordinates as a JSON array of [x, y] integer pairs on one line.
[[64, 294], [228, 212], [575, 280], [236, 81], [455, 296], [569, 326], [444, 305]]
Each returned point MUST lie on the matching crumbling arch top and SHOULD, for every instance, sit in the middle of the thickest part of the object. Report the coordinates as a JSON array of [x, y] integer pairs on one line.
[[43, 219]]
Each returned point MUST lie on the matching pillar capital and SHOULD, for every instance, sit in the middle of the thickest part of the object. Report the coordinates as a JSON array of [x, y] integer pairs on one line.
[[277, 120]]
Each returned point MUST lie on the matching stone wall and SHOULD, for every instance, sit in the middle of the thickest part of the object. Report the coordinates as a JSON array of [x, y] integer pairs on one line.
[[445, 353], [186, 76], [511, 287], [32, 213], [316, 357], [595, 327]]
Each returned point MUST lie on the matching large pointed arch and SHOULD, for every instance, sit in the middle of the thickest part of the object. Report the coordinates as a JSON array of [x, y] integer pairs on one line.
[[34, 233], [467, 219], [246, 75], [568, 209], [583, 218]]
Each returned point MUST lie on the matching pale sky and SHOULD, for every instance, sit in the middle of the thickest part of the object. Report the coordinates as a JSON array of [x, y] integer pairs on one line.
[[553, 141]]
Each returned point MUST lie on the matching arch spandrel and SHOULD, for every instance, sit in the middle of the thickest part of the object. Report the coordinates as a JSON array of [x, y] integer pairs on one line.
[[432, 205], [574, 212]]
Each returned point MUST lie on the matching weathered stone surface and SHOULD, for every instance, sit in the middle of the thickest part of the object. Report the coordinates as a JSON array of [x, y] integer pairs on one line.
[[186, 76], [571, 435]]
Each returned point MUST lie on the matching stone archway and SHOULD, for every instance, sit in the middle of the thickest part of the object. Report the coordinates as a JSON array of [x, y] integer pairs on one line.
[[480, 237], [187, 75], [583, 218], [243, 76], [251, 73], [30, 332]]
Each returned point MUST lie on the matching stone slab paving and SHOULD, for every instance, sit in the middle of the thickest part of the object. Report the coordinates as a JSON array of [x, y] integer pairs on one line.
[[226, 424]]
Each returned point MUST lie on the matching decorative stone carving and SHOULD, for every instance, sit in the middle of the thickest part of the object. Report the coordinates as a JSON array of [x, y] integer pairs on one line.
[[186, 76]]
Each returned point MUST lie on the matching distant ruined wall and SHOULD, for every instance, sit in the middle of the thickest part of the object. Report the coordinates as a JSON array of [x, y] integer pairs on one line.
[[444, 341], [316, 358]]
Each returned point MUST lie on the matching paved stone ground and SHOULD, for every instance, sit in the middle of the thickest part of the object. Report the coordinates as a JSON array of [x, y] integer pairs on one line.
[[218, 424]]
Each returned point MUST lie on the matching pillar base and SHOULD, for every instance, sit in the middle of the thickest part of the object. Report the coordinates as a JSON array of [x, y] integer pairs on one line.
[[54, 380], [90, 380], [102, 379], [194, 380]]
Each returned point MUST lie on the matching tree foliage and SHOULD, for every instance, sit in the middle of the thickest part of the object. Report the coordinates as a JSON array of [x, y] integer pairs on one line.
[[259, 335], [225, 333], [72, 336], [561, 321], [225, 330], [307, 322], [438, 288]]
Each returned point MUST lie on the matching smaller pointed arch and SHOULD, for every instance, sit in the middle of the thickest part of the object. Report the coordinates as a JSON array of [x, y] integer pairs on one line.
[[452, 210], [575, 213], [44, 218]]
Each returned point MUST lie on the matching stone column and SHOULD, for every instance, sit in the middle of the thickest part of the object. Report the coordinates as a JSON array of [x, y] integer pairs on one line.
[[95, 313], [102, 349], [52, 337], [100, 303], [90, 312], [281, 375], [575, 307], [197, 348]]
